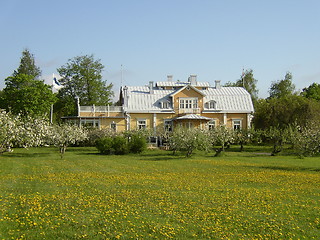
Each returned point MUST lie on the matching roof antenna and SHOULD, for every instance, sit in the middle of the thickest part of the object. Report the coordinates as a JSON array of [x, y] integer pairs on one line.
[[121, 76]]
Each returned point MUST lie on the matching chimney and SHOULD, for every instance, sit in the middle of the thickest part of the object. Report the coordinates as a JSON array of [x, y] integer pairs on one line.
[[218, 84], [125, 96], [169, 78], [193, 79], [151, 87]]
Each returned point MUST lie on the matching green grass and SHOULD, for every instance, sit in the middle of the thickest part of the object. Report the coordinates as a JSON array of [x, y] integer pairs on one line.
[[158, 196]]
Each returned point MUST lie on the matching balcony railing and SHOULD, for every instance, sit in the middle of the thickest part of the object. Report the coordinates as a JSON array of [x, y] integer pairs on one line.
[[101, 109], [189, 110]]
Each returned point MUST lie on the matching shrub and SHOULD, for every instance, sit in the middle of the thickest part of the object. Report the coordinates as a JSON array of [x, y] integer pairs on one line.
[[137, 143], [120, 145], [105, 145]]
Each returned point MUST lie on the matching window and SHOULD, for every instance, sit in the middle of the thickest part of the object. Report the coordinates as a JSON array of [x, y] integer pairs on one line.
[[236, 124], [211, 125], [211, 104], [90, 123], [188, 102], [168, 125], [165, 104], [113, 126], [142, 124]]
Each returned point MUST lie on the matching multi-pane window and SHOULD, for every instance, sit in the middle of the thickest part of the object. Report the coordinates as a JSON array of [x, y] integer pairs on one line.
[[211, 125], [168, 125], [113, 126], [211, 104], [90, 123], [142, 124], [188, 103], [165, 104], [236, 124]]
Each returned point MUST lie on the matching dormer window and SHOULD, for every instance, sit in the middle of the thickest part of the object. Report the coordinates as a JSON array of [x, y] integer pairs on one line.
[[165, 104], [211, 104]]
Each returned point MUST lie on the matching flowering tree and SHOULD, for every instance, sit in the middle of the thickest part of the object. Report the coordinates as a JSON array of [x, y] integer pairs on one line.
[[64, 135], [31, 132], [188, 140], [7, 131], [306, 140]]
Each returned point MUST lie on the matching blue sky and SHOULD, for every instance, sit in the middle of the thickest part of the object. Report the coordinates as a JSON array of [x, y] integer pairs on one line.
[[151, 39]]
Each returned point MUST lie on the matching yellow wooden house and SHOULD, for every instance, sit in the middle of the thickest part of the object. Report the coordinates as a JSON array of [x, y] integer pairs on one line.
[[168, 104]]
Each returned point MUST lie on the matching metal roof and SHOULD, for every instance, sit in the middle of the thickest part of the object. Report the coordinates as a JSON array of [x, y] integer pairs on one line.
[[193, 117], [181, 84], [228, 99]]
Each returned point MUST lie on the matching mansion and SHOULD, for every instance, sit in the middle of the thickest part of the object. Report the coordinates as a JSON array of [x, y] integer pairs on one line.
[[165, 105]]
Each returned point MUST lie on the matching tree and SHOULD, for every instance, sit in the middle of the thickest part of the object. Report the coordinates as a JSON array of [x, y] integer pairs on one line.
[[27, 65], [248, 82], [82, 77], [188, 140], [284, 111], [27, 96], [65, 135], [282, 88], [312, 92]]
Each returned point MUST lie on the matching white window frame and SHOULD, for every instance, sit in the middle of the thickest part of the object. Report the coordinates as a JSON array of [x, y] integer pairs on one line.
[[90, 123], [236, 124], [141, 124], [165, 105], [113, 126], [212, 104], [168, 125], [212, 124], [188, 103]]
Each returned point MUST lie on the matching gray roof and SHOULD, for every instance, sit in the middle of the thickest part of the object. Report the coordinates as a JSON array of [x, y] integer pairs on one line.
[[181, 84], [228, 99], [193, 117]]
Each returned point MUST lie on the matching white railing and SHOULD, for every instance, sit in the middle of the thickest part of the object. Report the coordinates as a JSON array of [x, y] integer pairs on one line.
[[101, 109], [189, 110]]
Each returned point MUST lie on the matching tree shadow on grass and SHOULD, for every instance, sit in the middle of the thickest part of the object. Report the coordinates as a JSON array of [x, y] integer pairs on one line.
[[26, 155]]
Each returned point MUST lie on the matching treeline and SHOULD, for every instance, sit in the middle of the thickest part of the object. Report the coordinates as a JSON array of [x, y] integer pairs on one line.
[[20, 131], [25, 93]]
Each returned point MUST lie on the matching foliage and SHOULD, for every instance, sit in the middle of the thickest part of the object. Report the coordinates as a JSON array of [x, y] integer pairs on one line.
[[137, 143], [94, 134], [26, 96], [105, 145], [120, 145], [312, 92], [285, 111], [31, 132], [278, 137], [243, 137], [282, 88], [222, 136], [247, 81], [188, 140], [24, 93], [8, 131], [27, 65], [306, 140], [82, 77], [65, 135]]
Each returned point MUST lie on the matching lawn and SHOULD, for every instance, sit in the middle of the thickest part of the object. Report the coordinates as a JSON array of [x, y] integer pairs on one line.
[[156, 195]]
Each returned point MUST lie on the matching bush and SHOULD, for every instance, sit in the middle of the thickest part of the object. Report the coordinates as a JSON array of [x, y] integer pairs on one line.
[[105, 145], [120, 145], [137, 143]]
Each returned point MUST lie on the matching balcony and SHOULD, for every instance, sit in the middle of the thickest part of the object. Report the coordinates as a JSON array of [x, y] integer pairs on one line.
[[189, 110], [101, 109]]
